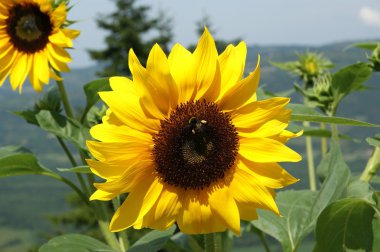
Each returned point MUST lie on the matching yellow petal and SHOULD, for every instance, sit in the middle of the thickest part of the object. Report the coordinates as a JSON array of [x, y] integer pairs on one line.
[[58, 53], [154, 100], [102, 195], [242, 91], [272, 127], [132, 176], [196, 216], [269, 174], [72, 34], [59, 15], [20, 70], [232, 62], [117, 152], [120, 83], [127, 108], [257, 113], [207, 78], [223, 205], [163, 213], [266, 150], [158, 67], [180, 62], [246, 190], [42, 66], [247, 212], [105, 170], [60, 39], [137, 204], [112, 133]]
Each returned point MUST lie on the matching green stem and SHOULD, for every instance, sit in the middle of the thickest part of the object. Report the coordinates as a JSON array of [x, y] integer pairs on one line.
[[64, 97], [73, 163], [109, 236], [83, 197], [310, 160], [264, 241], [373, 165], [213, 242], [323, 143]]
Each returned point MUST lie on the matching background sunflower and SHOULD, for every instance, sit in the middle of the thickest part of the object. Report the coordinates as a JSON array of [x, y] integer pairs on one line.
[[33, 38]]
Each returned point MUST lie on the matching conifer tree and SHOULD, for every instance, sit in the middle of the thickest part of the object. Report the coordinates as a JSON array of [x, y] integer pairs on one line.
[[128, 26]]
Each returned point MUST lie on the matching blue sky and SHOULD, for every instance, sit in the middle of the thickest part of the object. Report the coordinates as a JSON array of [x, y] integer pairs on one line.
[[265, 22]]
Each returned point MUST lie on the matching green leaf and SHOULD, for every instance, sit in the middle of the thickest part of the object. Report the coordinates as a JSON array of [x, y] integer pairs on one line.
[[16, 161], [74, 242], [332, 120], [367, 45], [345, 224], [78, 169], [359, 189], [374, 141], [376, 233], [301, 208], [63, 127], [349, 79], [91, 90], [152, 241]]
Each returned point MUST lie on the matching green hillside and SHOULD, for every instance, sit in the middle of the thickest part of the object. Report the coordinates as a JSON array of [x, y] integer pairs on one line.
[[26, 201]]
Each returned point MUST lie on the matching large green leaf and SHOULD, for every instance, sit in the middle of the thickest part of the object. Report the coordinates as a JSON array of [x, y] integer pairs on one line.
[[75, 242], [345, 224], [300, 209], [349, 79], [304, 113], [152, 241], [63, 127], [16, 160]]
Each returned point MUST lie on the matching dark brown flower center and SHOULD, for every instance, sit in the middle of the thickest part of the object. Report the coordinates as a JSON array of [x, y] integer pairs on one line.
[[196, 146], [28, 27]]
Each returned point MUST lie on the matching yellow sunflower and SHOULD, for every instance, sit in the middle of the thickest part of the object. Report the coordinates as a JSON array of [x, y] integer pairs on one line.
[[33, 39], [189, 142]]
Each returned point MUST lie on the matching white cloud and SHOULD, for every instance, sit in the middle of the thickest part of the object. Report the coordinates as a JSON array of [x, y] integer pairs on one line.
[[370, 16]]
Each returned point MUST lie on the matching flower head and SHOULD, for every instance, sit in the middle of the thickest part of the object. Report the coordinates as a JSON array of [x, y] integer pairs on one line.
[[189, 142], [33, 38]]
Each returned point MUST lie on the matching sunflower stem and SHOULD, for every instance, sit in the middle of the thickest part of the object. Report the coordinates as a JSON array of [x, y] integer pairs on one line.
[[310, 160], [213, 242], [323, 142], [109, 236], [264, 241], [70, 184], [373, 165], [64, 97]]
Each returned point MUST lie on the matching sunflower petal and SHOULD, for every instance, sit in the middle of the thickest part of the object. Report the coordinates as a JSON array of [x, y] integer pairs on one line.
[[223, 205], [232, 62], [196, 216], [137, 204], [242, 91], [179, 61], [266, 150]]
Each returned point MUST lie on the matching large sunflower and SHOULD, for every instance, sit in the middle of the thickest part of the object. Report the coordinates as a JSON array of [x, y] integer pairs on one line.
[[33, 39], [189, 142]]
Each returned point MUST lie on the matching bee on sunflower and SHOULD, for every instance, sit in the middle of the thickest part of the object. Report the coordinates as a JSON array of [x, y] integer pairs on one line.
[[33, 41], [189, 142]]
